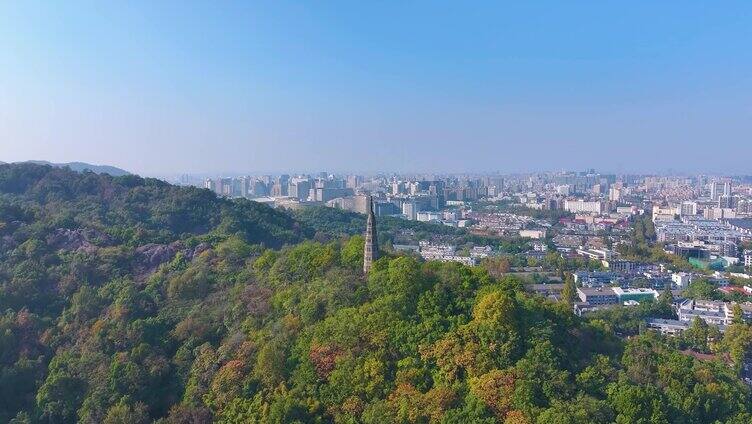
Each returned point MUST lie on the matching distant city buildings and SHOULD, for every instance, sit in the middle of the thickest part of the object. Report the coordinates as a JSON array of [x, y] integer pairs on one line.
[[706, 220]]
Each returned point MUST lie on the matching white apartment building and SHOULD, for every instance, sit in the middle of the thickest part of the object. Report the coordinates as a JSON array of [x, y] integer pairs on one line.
[[579, 205], [664, 213], [688, 209], [427, 216], [410, 210], [711, 311]]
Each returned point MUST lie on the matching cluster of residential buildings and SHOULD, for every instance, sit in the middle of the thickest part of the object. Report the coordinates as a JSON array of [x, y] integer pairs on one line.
[[445, 252], [716, 313], [508, 224]]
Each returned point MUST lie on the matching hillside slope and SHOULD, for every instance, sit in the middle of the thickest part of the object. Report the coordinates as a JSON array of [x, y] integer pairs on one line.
[[127, 300]]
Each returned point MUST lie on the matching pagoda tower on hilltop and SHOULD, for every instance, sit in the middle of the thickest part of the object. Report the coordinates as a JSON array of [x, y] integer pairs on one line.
[[371, 248]]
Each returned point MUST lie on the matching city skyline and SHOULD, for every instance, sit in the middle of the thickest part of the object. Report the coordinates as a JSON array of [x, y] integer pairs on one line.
[[422, 87]]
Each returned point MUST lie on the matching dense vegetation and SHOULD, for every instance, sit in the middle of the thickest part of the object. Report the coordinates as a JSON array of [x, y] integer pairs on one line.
[[329, 222], [127, 301]]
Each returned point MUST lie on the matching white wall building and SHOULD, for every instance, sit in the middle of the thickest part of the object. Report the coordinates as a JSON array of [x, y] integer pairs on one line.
[[533, 234], [427, 216], [579, 205], [681, 279], [688, 209]]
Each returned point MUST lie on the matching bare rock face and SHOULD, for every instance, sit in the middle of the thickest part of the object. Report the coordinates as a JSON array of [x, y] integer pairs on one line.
[[82, 239], [199, 249], [152, 255]]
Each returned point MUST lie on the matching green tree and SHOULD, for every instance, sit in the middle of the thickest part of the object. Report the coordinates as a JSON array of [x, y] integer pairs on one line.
[[569, 292], [126, 413], [666, 297]]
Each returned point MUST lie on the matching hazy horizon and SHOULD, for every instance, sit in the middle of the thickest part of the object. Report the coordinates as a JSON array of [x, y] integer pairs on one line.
[[420, 87]]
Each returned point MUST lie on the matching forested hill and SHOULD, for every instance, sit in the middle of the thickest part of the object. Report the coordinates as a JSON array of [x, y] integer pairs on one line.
[[84, 167], [40, 201], [126, 300]]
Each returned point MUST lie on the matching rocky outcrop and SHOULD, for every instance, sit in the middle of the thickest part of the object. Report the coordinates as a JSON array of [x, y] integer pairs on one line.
[[152, 255], [201, 248], [83, 239]]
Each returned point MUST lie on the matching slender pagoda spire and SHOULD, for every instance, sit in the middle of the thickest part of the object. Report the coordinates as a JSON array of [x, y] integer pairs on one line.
[[371, 248]]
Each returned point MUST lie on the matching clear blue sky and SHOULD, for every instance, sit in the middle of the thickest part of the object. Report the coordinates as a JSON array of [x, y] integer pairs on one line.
[[368, 86]]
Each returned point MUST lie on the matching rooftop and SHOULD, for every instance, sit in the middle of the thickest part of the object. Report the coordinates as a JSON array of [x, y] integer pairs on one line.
[[595, 291]]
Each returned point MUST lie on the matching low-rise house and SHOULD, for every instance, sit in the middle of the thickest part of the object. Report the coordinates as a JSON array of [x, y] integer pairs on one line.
[[596, 278], [637, 295], [671, 327], [546, 290], [719, 280], [598, 295], [627, 267]]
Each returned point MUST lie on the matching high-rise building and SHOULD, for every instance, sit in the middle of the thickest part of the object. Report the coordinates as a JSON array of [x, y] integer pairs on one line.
[[224, 186], [210, 184], [720, 188], [688, 208], [245, 186], [299, 188], [410, 209], [353, 181], [281, 185], [371, 248], [398, 187], [259, 188], [726, 201], [614, 194], [327, 194]]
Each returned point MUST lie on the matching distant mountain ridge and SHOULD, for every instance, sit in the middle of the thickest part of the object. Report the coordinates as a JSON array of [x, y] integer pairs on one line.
[[82, 166]]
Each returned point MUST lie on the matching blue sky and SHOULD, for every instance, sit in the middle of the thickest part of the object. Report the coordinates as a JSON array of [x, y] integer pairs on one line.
[[413, 86]]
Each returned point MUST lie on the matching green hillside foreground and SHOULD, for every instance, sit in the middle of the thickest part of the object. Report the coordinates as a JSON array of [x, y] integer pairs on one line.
[[127, 300]]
